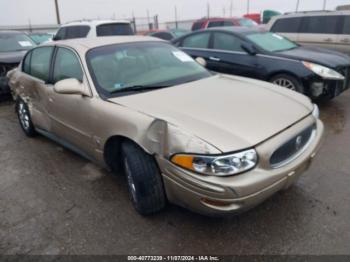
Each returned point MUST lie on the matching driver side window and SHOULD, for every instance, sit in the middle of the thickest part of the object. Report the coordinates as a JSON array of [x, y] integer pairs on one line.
[[66, 66]]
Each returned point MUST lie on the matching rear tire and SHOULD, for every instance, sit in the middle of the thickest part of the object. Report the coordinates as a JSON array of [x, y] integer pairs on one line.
[[144, 179], [24, 118], [288, 81]]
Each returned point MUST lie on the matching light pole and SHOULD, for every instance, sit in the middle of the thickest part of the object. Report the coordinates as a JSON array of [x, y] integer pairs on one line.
[[324, 4], [57, 12], [297, 7], [176, 25], [248, 6], [231, 8]]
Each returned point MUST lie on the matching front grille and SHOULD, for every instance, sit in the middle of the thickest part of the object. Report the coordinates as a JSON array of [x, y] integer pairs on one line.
[[5, 67], [292, 149]]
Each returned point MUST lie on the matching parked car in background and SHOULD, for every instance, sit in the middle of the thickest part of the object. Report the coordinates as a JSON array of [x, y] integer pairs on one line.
[[93, 28], [179, 132], [168, 34], [320, 29], [317, 73], [13, 46], [219, 22], [39, 38]]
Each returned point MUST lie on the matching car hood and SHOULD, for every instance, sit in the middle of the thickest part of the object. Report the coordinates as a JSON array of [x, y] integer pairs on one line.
[[12, 57], [230, 113], [320, 56]]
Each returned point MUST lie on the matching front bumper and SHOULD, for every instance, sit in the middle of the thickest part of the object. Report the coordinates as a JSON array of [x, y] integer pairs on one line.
[[319, 88], [212, 195]]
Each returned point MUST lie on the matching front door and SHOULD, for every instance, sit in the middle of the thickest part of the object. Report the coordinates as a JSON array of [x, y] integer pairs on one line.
[[70, 114]]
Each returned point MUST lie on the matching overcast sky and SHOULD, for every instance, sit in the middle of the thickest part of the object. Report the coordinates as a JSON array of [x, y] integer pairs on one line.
[[19, 12]]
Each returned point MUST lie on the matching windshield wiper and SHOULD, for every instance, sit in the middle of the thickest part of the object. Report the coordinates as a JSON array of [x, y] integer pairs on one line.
[[138, 88]]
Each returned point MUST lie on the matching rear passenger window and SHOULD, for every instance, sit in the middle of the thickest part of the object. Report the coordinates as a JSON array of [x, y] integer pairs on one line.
[[40, 63], [114, 29], [223, 41], [197, 41], [216, 24], [163, 35], [61, 34], [320, 25], [286, 25], [197, 26], [228, 23], [67, 65], [346, 26], [77, 31]]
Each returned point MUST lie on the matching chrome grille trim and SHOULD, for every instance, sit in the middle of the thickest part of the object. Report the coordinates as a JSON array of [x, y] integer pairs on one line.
[[298, 153]]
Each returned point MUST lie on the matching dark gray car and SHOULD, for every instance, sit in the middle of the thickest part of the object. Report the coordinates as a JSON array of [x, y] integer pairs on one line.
[[13, 46]]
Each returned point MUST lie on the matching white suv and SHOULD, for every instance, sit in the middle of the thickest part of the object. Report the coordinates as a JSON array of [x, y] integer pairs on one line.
[[93, 28]]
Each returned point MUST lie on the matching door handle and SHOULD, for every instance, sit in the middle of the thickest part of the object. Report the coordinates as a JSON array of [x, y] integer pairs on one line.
[[345, 40], [214, 58], [328, 40]]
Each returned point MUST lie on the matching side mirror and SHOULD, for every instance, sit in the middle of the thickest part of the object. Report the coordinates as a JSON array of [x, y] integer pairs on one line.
[[201, 61], [70, 86], [249, 48]]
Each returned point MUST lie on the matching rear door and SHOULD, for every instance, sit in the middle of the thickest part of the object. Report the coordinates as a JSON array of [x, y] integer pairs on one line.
[[34, 86], [196, 45], [344, 36], [288, 27], [228, 57], [320, 31]]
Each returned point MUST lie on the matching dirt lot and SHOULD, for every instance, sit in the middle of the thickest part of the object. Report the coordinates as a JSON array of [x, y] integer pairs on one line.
[[54, 202]]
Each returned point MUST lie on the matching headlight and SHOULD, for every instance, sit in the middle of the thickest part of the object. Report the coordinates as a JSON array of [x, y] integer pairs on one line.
[[316, 112], [218, 165], [323, 71]]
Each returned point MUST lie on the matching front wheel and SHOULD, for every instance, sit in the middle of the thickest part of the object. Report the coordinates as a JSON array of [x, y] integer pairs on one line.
[[288, 81], [144, 179], [24, 118]]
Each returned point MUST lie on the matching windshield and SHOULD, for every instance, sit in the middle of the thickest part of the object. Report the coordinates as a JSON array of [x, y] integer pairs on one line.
[[15, 42], [272, 42], [247, 22], [114, 29], [148, 65], [40, 38]]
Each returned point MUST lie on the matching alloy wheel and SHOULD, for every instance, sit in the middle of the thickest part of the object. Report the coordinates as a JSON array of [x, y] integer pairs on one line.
[[285, 83], [23, 116]]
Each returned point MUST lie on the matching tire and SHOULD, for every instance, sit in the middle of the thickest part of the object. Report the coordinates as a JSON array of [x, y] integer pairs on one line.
[[24, 118], [144, 180], [288, 81]]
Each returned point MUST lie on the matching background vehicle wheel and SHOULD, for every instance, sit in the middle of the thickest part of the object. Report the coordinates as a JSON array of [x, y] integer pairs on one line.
[[24, 118], [144, 179], [288, 81]]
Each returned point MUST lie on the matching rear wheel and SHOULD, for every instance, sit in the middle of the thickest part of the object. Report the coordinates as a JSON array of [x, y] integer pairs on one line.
[[288, 81], [24, 118], [144, 179]]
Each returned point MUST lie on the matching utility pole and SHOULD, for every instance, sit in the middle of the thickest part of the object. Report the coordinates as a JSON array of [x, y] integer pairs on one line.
[[57, 12], [297, 7], [224, 11], [231, 8], [176, 24], [324, 4], [248, 6], [208, 10]]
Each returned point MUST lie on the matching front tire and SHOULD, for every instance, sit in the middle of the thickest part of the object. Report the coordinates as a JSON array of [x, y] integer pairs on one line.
[[24, 118], [144, 179], [288, 81]]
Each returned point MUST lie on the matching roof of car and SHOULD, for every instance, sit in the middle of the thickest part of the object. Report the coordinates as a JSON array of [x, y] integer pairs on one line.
[[314, 13], [238, 29], [95, 22], [88, 43]]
